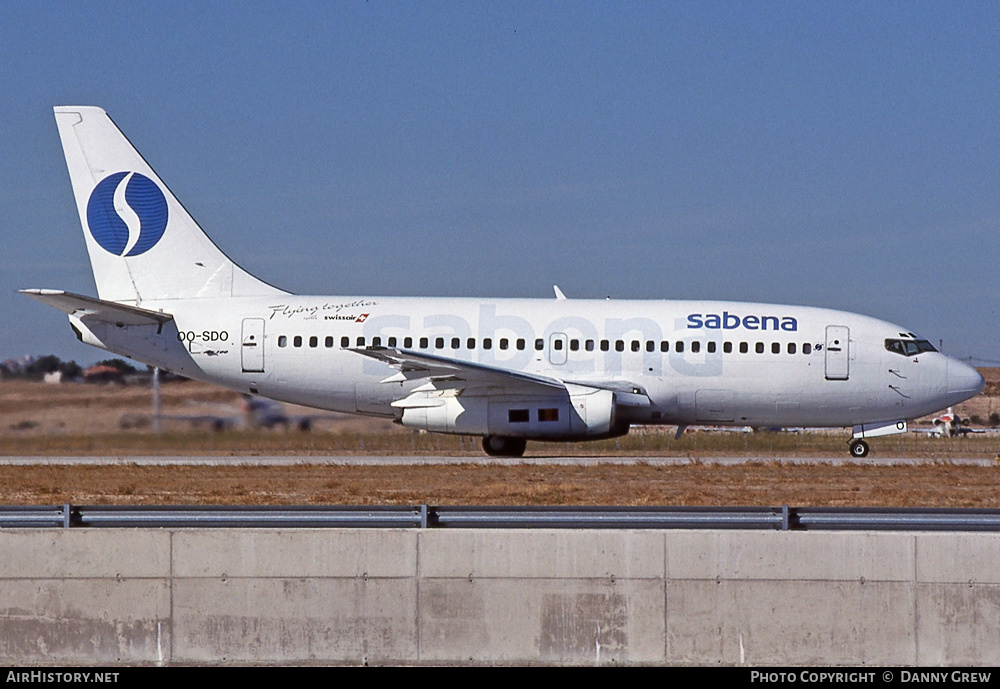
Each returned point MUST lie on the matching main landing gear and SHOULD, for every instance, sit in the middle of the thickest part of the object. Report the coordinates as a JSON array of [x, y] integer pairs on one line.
[[501, 446], [859, 448]]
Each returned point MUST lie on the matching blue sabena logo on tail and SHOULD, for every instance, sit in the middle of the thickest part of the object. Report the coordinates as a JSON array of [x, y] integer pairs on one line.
[[127, 213]]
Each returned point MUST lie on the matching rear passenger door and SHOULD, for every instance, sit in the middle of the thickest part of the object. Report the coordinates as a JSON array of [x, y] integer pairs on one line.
[[252, 349]]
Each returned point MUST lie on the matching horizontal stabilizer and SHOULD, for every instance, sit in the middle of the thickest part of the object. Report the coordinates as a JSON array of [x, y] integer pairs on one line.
[[84, 307]]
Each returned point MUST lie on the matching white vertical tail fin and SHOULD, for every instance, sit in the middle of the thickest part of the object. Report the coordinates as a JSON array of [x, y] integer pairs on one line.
[[143, 244]]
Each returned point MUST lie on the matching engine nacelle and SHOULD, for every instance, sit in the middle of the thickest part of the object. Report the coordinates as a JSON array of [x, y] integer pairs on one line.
[[583, 413]]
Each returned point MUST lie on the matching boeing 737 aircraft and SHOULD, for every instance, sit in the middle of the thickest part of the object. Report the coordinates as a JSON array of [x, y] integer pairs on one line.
[[508, 370]]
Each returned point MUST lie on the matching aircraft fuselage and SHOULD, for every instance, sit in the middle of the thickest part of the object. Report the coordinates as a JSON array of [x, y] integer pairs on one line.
[[697, 361]]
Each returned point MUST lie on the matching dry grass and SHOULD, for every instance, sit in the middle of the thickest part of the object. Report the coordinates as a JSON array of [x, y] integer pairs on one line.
[[755, 483]]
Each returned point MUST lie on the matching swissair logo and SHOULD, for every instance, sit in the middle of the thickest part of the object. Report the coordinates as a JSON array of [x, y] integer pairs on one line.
[[361, 318]]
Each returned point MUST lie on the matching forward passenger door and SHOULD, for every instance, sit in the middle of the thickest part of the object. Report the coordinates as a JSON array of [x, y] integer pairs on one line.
[[838, 352]]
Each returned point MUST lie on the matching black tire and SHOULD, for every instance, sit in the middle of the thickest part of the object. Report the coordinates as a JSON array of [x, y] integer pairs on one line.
[[859, 449], [501, 446]]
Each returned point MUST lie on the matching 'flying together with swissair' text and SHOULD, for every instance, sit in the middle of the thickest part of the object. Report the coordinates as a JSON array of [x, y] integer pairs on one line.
[[508, 370]]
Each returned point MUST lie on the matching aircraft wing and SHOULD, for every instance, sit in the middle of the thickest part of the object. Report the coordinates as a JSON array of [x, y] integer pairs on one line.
[[943, 433], [442, 373], [83, 306], [932, 432], [447, 373]]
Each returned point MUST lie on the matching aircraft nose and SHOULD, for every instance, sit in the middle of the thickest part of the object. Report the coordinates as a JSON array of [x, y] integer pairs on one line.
[[963, 379]]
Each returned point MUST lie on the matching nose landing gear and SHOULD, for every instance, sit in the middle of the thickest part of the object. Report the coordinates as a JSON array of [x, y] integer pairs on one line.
[[859, 448]]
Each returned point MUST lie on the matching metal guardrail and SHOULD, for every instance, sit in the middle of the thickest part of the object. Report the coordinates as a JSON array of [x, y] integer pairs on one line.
[[35, 516], [250, 517], [610, 517], [895, 519], [451, 517]]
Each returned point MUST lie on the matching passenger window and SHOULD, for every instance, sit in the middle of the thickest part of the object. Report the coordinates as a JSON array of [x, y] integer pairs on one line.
[[807, 348], [548, 414], [636, 345], [696, 346], [438, 343], [539, 344], [520, 343], [557, 344], [392, 341], [471, 343], [328, 342], [504, 342], [423, 343], [744, 348], [775, 348], [605, 345], [679, 346], [791, 348], [574, 345], [313, 341], [590, 345], [360, 342], [619, 345], [759, 347], [455, 343], [664, 346], [376, 342], [711, 347], [650, 346], [487, 343], [345, 341], [727, 347], [297, 341], [282, 341], [407, 342]]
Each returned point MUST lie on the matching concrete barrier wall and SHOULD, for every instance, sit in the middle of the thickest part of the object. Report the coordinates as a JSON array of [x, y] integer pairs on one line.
[[160, 596]]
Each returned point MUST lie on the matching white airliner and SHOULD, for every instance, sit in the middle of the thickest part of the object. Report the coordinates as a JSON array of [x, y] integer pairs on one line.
[[508, 370], [950, 425]]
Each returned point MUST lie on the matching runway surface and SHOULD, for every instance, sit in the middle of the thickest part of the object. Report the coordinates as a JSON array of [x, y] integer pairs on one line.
[[418, 460]]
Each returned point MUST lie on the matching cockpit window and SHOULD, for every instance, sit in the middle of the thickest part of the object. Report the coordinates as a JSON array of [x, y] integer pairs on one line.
[[909, 347]]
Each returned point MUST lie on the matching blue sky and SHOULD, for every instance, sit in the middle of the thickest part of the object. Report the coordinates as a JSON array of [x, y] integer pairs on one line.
[[840, 154]]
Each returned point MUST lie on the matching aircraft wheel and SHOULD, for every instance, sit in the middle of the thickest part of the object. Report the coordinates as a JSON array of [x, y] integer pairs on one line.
[[859, 448], [500, 446]]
